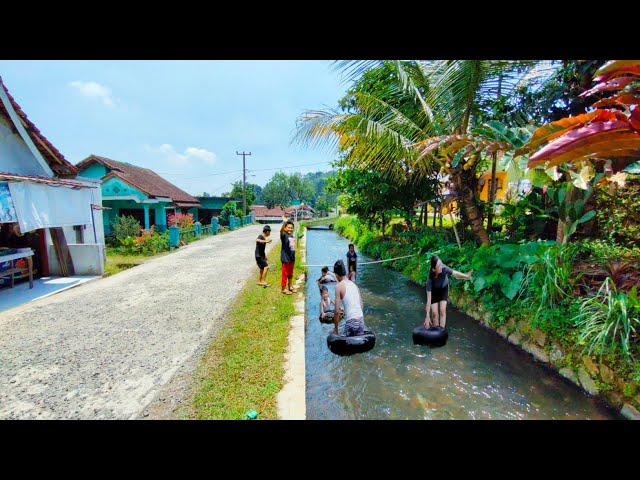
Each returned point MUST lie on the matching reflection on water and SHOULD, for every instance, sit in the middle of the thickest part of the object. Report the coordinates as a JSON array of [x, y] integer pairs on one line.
[[476, 375]]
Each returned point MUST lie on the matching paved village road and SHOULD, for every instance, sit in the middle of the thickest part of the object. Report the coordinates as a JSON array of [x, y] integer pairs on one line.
[[104, 350]]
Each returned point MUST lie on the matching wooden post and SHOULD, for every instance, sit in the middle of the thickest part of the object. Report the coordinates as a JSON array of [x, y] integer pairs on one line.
[[62, 251], [455, 230]]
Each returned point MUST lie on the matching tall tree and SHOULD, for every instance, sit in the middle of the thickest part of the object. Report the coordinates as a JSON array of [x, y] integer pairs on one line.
[[252, 189], [283, 189], [416, 117]]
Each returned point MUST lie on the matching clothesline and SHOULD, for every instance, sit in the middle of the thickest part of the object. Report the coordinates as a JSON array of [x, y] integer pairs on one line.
[[376, 261]]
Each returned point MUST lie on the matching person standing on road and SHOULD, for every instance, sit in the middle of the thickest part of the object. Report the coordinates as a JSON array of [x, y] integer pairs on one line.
[[287, 255], [261, 256]]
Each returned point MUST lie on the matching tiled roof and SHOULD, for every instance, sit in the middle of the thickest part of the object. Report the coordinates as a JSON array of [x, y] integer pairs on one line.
[[263, 211], [14, 177], [145, 180], [299, 207], [61, 166]]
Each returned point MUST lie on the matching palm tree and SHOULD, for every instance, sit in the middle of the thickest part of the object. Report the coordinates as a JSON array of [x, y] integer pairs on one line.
[[416, 116]]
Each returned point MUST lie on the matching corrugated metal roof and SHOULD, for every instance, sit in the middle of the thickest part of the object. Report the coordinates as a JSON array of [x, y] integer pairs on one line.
[[58, 182]]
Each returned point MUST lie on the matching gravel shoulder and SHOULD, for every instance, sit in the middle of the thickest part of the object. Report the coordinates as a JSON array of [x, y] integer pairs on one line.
[[122, 346]]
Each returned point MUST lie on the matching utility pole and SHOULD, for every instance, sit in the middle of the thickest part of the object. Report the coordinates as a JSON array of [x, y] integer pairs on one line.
[[244, 182]]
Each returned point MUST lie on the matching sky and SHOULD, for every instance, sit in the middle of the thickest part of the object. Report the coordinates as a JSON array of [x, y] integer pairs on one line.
[[185, 120]]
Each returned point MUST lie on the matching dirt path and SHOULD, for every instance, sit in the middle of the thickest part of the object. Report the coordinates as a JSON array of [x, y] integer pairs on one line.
[[106, 349]]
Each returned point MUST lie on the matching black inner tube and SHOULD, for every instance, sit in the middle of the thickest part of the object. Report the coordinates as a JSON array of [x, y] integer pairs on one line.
[[341, 345], [432, 336], [328, 316]]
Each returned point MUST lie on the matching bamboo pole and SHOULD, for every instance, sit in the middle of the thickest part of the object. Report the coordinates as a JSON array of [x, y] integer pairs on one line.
[[455, 230]]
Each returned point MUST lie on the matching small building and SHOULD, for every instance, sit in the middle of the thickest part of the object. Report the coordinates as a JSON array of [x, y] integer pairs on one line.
[[300, 212], [267, 215], [45, 206], [211, 207], [139, 192]]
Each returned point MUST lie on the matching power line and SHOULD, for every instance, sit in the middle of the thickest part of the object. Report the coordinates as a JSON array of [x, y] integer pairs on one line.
[[213, 190], [213, 174], [292, 166]]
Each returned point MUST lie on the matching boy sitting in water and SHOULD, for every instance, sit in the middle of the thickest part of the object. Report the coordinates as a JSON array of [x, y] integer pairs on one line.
[[325, 302]]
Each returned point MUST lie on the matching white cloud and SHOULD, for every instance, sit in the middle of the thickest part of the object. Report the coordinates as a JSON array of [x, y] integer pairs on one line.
[[190, 155], [204, 155], [94, 90]]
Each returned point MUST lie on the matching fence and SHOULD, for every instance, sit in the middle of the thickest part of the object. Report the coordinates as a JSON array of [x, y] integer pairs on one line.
[[198, 231]]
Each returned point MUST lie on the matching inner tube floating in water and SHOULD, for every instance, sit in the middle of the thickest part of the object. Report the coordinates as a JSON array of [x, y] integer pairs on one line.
[[432, 336], [328, 317], [341, 345]]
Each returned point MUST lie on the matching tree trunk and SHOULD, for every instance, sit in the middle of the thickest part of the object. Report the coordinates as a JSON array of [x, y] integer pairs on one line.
[[434, 215], [492, 189], [465, 182], [383, 225]]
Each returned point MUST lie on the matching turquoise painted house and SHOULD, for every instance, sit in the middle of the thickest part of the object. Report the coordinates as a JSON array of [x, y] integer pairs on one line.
[[211, 207], [136, 191]]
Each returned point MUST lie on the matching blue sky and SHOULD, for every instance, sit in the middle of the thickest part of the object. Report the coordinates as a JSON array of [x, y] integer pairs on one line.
[[183, 119]]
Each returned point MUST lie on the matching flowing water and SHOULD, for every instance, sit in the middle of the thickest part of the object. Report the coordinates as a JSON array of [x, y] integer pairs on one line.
[[476, 375]]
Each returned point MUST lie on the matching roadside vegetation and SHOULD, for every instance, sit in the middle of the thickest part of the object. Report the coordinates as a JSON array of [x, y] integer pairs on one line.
[[244, 367]]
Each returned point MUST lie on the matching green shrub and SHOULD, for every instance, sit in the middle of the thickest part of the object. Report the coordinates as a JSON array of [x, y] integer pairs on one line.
[[125, 226]]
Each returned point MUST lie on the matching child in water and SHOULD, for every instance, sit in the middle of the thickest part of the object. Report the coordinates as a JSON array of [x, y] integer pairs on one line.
[[352, 273], [325, 302], [352, 262]]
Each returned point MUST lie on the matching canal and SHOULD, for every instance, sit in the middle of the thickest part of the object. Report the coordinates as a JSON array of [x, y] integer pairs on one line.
[[476, 375]]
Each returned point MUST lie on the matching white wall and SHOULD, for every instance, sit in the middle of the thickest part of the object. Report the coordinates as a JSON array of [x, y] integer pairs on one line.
[[88, 259], [15, 156]]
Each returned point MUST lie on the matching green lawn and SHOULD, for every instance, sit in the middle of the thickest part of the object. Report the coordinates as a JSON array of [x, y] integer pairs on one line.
[[117, 262], [244, 366]]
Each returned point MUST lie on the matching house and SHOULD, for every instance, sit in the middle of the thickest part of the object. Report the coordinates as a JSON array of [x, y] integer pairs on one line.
[[211, 207], [45, 205], [136, 191], [267, 215], [299, 212]]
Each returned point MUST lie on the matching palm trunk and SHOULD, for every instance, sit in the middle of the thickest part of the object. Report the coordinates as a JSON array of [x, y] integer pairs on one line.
[[466, 185]]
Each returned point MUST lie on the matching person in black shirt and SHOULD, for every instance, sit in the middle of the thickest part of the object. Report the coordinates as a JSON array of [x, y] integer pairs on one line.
[[261, 256], [438, 291], [287, 255]]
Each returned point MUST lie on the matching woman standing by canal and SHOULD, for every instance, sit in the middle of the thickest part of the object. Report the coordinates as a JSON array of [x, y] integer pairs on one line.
[[438, 291]]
